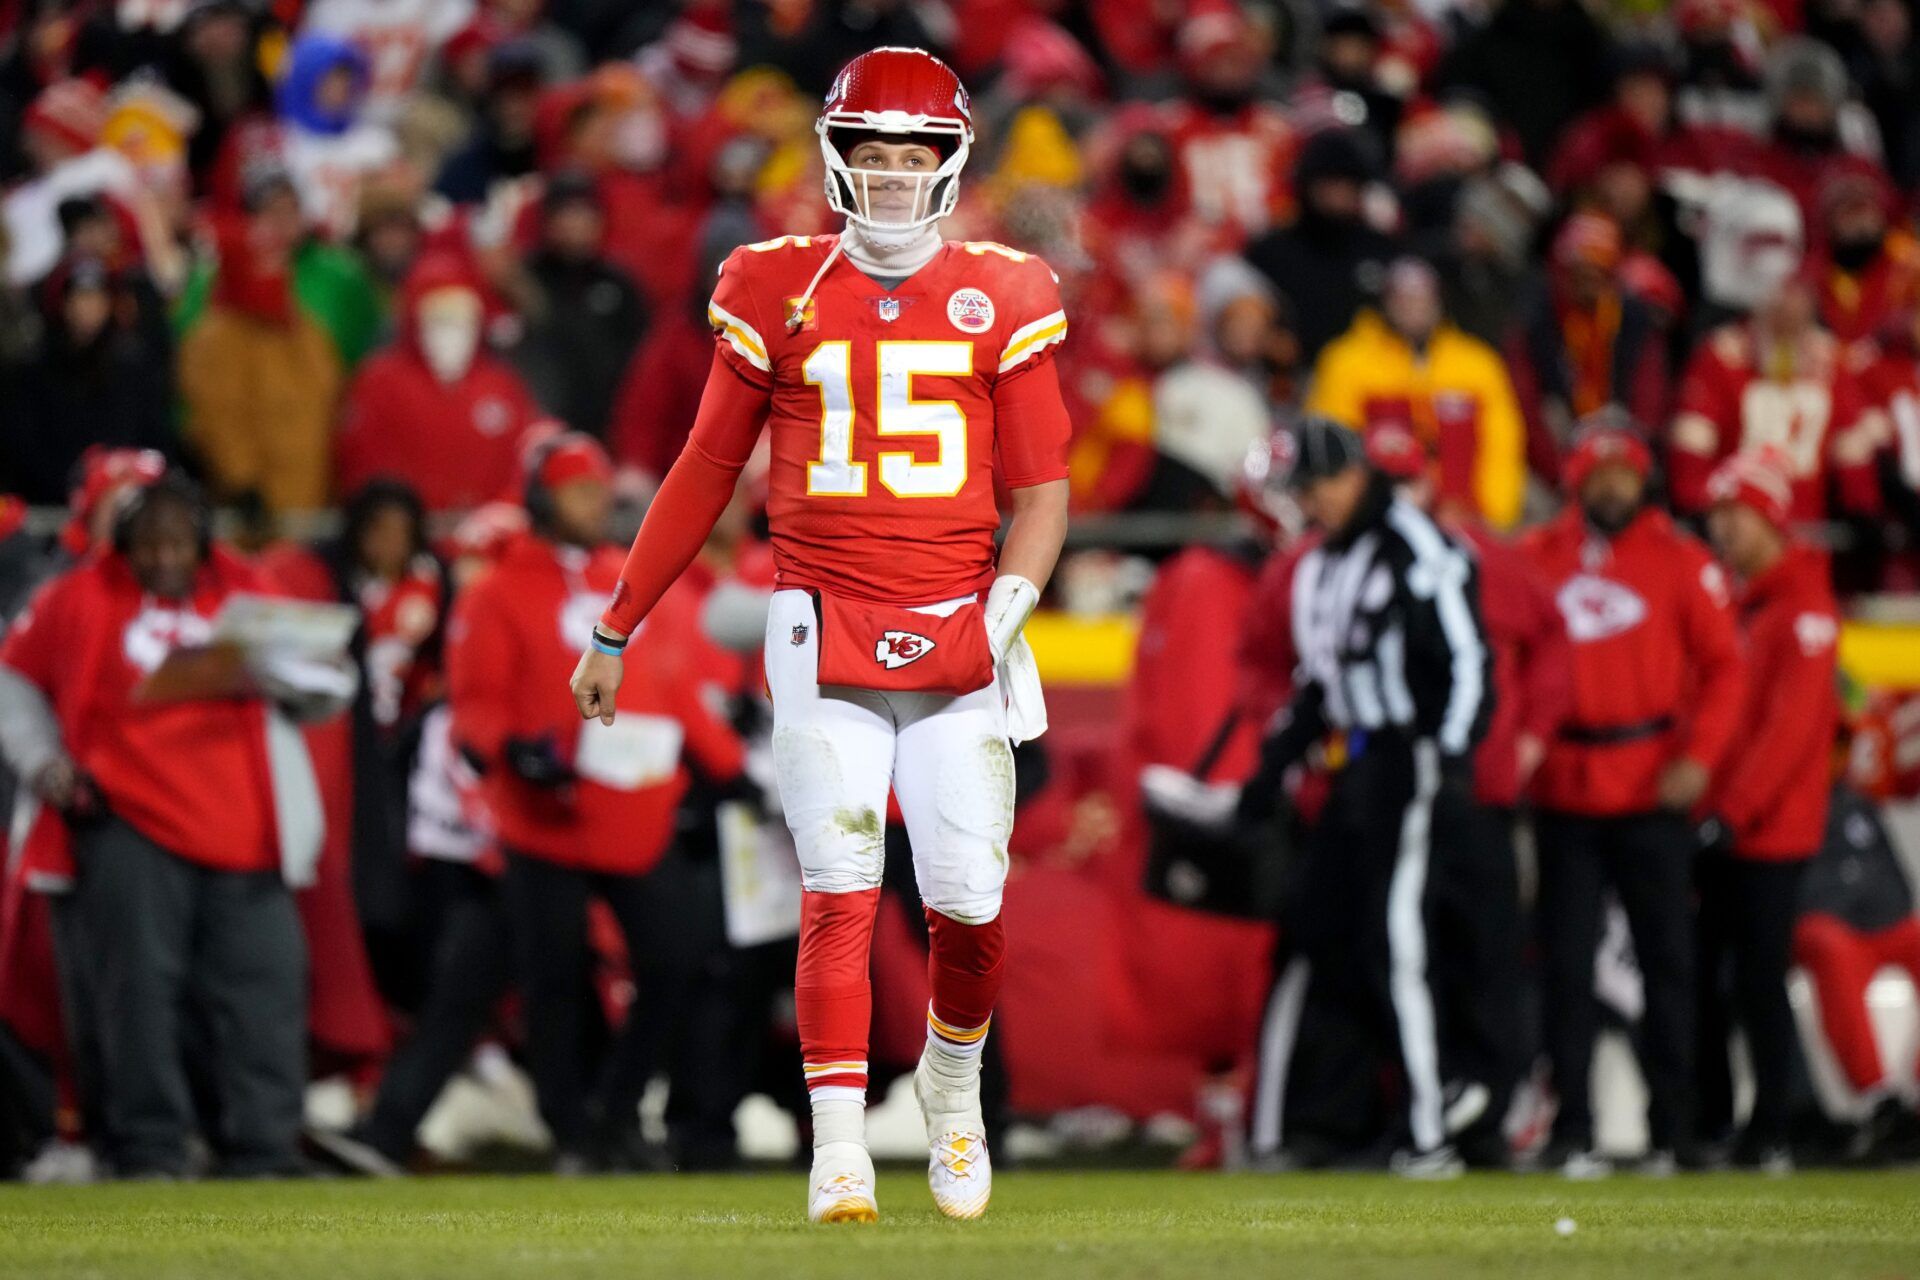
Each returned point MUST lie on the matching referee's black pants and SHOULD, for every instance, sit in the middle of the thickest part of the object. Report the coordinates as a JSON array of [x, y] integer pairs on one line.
[[1355, 991], [1647, 858], [1478, 943]]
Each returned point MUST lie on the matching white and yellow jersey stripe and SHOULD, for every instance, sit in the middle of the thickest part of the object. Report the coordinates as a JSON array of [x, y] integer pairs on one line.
[[740, 335], [1031, 338]]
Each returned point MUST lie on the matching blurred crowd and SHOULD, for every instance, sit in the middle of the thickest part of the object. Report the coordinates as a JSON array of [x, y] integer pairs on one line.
[[441, 267]]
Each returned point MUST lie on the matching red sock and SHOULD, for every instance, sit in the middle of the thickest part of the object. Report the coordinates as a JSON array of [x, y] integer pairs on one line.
[[832, 995], [965, 969]]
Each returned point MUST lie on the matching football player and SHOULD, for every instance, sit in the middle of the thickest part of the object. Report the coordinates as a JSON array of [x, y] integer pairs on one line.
[[900, 376]]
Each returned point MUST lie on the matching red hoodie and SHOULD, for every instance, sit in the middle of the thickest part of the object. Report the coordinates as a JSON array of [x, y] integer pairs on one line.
[[191, 776], [1532, 664], [1186, 675], [458, 443], [513, 640], [1772, 786], [1656, 660]]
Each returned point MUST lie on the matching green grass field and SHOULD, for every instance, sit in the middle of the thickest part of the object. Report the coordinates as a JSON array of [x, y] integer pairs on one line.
[[1114, 1226]]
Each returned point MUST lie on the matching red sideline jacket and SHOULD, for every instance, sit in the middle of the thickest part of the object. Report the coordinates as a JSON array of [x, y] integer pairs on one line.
[[1772, 786], [1266, 656], [513, 640], [1656, 660], [1532, 663], [190, 776], [1185, 677]]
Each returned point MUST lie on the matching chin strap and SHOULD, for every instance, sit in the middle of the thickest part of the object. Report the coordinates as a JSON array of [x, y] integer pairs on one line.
[[876, 259], [799, 311]]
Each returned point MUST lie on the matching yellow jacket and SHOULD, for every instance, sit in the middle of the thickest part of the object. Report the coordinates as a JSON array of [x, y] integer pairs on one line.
[[1456, 399], [260, 403]]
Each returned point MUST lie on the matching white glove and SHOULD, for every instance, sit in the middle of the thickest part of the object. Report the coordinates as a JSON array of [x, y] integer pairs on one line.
[[1011, 600]]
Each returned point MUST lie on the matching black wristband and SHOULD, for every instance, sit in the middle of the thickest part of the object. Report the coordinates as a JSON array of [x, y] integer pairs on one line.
[[607, 643]]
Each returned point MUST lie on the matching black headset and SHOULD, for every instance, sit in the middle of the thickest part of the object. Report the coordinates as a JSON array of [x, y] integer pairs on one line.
[[533, 494], [173, 485]]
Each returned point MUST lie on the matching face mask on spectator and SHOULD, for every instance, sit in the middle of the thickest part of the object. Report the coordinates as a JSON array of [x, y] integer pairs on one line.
[[449, 332], [1145, 180], [1855, 252], [640, 140]]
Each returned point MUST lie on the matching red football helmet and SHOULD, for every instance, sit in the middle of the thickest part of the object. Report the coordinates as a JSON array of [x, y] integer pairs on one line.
[[906, 95]]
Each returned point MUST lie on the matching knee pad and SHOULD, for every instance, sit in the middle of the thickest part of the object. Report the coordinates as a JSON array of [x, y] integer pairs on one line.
[[963, 877], [841, 843], [963, 874]]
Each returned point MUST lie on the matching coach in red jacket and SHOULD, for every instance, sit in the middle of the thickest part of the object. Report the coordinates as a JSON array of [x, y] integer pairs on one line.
[[581, 810], [181, 906], [1656, 697], [1768, 800]]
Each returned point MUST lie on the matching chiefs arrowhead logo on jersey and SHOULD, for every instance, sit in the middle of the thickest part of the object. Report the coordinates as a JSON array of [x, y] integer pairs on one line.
[[803, 314], [895, 649], [157, 632], [1596, 608]]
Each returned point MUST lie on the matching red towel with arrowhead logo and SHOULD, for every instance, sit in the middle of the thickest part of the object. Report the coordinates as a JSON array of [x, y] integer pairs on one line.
[[899, 650]]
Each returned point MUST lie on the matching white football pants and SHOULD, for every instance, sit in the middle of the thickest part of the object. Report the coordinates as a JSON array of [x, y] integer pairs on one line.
[[836, 750]]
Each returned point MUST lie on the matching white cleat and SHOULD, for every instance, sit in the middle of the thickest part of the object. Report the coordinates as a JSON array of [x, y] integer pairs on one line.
[[959, 1171], [840, 1189]]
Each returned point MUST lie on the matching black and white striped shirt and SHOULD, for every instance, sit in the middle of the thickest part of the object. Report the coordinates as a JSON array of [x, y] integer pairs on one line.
[[1386, 621]]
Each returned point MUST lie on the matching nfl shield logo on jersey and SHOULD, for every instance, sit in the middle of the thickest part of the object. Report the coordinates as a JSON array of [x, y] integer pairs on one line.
[[895, 649], [889, 309]]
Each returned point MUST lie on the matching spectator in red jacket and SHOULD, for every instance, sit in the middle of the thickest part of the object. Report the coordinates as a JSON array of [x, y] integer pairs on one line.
[[436, 409], [1656, 696], [1778, 379], [177, 814], [581, 810], [1768, 801]]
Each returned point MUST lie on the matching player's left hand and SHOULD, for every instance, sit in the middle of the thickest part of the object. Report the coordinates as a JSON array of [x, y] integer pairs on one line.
[[596, 679]]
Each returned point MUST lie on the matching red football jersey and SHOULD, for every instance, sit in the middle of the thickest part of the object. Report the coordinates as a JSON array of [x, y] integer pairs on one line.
[[885, 409], [1814, 411]]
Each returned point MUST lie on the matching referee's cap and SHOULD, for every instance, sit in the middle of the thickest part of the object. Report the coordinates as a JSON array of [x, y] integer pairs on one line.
[[1322, 448]]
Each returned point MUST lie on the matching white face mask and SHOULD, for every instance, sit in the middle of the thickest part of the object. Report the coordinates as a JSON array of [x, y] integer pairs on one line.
[[640, 141], [449, 332]]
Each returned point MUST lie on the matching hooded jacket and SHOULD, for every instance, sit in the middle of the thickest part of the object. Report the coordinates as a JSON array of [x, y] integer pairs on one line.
[[513, 640], [260, 380], [1657, 674], [1772, 787], [1454, 396], [457, 443], [192, 776]]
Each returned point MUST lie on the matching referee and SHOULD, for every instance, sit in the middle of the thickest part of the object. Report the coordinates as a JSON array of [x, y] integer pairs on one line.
[[1394, 666]]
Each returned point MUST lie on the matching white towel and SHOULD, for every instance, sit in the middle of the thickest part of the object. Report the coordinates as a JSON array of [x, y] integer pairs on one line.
[[1020, 685]]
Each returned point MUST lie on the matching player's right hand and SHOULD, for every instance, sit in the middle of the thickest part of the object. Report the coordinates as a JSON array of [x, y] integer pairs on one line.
[[595, 681]]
